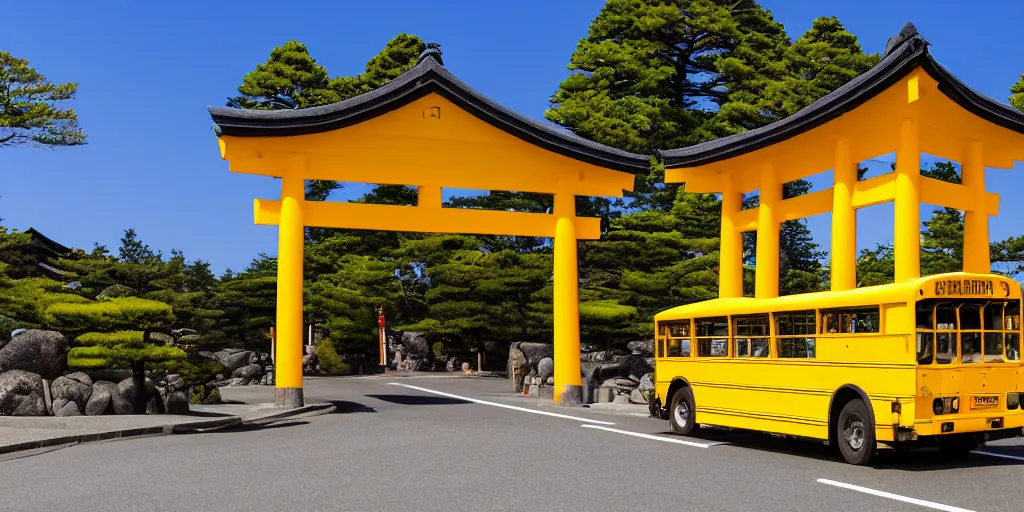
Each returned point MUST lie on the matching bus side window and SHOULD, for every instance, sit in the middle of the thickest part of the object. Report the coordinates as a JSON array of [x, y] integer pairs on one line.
[[712, 337], [751, 336], [795, 334], [851, 320], [679, 339]]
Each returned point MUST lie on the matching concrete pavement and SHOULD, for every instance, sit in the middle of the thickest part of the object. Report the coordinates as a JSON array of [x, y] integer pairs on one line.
[[458, 443]]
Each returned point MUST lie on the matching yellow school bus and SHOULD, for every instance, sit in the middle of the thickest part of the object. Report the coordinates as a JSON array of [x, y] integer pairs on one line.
[[934, 360]]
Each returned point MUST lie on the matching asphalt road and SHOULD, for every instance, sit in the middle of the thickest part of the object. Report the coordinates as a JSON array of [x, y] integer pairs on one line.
[[391, 447]]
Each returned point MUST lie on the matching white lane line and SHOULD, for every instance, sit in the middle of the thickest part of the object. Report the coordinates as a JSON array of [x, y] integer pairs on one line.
[[654, 437], [1003, 456], [506, 406], [897, 497]]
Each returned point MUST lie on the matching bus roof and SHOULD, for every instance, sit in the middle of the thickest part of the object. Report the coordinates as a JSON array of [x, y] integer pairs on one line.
[[952, 285]]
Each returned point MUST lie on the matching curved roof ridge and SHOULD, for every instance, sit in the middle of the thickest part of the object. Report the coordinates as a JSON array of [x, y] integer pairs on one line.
[[904, 53], [428, 75]]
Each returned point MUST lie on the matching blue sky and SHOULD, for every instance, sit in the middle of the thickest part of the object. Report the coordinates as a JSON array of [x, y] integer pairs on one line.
[[148, 70]]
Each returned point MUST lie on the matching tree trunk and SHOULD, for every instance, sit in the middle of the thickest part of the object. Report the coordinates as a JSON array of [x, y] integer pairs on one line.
[[139, 382]]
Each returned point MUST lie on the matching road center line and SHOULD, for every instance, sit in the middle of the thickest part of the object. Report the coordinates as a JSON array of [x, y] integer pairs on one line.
[[505, 406], [897, 497], [1001, 455], [651, 436]]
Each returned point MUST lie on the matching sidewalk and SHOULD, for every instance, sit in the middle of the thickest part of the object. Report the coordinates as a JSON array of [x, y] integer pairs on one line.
[[42, 433]]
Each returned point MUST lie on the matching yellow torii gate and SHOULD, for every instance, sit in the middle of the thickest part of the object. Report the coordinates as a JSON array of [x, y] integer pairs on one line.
[[426, 129], [908, 103]]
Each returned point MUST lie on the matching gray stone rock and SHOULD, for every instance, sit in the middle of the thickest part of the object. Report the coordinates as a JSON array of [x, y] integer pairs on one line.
[[21, 394], [550, 381], [109, 374], [58, 403], [637, 397], [546, 368], [310, 350], [43, 353], [620, 399], [175, 402], [160, 338], [238, 381], [233, 359], [175, 382], [416, 345], [646, 382], [123, 399], [154, 404], [70, 390], [263, 380], [626, 383], [641, 347], [68, 409], [248, 372], [100, 402], [80, 377]]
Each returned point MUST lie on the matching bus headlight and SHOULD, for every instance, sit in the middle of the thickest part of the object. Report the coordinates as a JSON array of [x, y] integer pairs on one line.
[[1012, 400], [937, 406]]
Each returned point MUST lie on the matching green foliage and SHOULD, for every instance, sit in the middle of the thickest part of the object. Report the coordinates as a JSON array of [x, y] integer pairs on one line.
[[95, 357], [328, 358], [108, 315], [30, 107], [1017, 94], [125, 339], [438, 349], [205, 394]]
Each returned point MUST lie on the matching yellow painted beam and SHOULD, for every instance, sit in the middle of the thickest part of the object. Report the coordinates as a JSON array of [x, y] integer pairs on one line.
[[977, 257], [425, 219], [807, 205], [746, 220], [766, 276], [730, 260], [907, 207], [290, 246], [844, 220], [422, 162], [877, 190], [700, 180]]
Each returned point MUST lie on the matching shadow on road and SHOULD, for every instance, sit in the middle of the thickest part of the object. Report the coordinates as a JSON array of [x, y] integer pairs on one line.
[[419, 400], [345, 407], [918, 459]]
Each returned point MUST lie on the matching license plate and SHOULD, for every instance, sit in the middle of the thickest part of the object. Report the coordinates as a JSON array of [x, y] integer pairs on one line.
[[986, 401]]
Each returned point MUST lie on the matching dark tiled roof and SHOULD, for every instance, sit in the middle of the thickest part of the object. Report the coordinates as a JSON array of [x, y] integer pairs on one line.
[[904, 53], [45, 243], [427, 76]]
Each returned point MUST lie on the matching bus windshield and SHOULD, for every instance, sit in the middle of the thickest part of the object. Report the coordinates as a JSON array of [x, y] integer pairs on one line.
[[968, 331]]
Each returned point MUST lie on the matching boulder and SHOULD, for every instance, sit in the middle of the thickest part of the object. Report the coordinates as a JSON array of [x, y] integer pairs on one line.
[[160, 338], [416, 345], [109, 374], [123, 398], [68, 409], [452, 365], [233, 358], [21, 394], [646, 382], [43, 353], [175, 402], [248, 372], [80, 377], [175, 382], [263, 380], [65, 390], [100, 402], [637, 397], [641, 347], [546, 368]]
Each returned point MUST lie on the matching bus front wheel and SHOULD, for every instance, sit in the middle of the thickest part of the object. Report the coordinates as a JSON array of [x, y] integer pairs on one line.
[[856, 433], [681, 412]]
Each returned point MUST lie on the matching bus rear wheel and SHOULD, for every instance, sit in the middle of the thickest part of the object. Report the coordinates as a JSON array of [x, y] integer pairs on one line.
[[856, 433], [681, 412]]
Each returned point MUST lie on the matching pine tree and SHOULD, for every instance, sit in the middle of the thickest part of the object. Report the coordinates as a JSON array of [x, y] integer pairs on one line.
[[1017, 94], [30, 107]]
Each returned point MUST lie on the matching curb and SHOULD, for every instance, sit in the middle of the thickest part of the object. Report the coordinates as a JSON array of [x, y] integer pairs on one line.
[[193, 427], [305, 411]]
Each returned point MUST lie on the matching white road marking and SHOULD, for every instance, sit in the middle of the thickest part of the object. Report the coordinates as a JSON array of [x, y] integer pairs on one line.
[[654, 437], [506, 406], [1001, 455], [897, 497]]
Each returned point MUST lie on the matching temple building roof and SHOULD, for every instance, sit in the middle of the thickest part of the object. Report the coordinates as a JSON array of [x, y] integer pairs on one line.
[[428, 76], [905, 53]]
